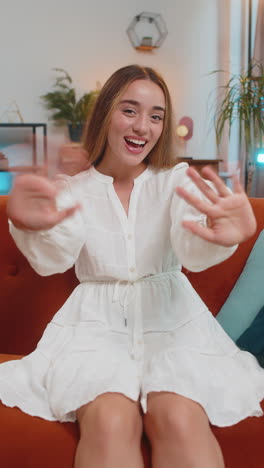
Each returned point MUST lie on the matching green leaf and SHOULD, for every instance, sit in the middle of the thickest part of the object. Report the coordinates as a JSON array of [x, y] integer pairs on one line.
[[63, 102]]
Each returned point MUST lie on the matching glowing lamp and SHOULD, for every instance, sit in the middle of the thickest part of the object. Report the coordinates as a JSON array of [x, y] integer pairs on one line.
[[184, 128], [259, 156], [182, 131]]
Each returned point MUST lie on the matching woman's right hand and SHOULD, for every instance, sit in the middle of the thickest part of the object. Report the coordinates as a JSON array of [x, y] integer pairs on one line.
[[32, 204]]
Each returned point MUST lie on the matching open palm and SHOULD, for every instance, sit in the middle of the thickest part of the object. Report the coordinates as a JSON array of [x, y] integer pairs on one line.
[[32, 203], [230, 219]]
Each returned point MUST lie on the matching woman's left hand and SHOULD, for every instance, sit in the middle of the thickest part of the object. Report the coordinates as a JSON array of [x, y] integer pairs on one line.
[[230, 218]]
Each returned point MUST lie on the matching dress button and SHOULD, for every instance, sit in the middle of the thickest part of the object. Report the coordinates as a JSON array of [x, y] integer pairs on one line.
[[131, 269]]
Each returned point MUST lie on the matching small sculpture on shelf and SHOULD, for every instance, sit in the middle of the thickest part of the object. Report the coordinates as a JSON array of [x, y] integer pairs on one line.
[[147, 41], [12, 114]]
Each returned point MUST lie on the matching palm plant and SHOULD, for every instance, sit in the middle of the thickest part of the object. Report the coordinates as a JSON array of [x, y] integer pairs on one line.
[[66, 107], [243, 100]]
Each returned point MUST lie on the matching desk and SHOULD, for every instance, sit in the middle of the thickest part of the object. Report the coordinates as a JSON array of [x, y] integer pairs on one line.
[[33, 127], [200, 163]]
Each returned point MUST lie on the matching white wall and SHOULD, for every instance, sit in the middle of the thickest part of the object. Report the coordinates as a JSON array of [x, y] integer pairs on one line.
[[89, 40]]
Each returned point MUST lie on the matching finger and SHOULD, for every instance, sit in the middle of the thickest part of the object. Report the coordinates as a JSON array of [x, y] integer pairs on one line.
[[237, 187], [34, 185], [68, 212], [220, 186], [201, 205], [200, 231], [202, 185]]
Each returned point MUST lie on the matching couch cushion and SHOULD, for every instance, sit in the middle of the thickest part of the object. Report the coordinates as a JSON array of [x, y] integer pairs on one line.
[[9, 357], [31, 442], [247, 297], [38, 443], [242, 444], [28, 301]]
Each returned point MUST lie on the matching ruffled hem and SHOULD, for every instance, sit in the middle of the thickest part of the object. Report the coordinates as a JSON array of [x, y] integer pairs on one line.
[[31, 397], [12, 399], [227, 382], [71, 408], [86, 376], [23, 406], [257, 412], [39, 406], [236, 382]]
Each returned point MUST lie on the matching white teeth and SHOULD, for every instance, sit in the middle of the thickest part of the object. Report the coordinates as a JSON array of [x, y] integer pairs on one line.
[[136, 142]]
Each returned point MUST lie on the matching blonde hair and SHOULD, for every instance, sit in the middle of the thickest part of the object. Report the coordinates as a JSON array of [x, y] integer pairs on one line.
[[95, 134]]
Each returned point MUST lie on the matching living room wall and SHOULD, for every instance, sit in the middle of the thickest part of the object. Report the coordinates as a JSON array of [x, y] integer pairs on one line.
[[89, 40]]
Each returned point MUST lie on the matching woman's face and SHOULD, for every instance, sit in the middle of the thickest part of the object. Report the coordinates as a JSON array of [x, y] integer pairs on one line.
[[136, 123]]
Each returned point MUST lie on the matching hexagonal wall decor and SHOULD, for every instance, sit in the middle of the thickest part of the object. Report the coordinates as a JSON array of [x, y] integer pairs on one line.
[[147, 31]]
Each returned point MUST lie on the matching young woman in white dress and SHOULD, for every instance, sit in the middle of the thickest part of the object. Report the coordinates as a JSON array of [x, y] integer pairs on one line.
[[134, 346]]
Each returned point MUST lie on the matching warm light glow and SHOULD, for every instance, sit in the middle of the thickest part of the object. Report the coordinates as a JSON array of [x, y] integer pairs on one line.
[[182, 130]]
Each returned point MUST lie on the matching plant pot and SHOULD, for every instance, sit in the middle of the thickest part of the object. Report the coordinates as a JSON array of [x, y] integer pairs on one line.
[[75, 131], [3, 162]]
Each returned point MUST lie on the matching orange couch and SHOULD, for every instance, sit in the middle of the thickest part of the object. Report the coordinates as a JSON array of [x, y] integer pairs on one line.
[[27, 303]]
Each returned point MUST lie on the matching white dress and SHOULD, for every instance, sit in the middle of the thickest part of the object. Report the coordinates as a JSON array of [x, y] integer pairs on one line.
[[134, 324]]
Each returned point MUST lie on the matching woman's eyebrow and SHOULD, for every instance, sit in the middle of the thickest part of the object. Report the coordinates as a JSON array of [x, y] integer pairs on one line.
[[136, 103], [160, 108]]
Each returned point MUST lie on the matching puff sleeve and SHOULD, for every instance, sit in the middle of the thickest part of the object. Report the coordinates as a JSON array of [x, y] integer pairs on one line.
[[54, 250]]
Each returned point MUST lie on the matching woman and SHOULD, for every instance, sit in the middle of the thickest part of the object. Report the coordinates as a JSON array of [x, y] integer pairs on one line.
[[134, 346]]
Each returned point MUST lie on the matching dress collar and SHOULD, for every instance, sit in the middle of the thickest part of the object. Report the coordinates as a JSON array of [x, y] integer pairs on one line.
[[109, 180]]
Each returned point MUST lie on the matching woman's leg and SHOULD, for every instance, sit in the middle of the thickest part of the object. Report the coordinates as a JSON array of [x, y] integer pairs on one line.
[[110, 433], [180, 434]]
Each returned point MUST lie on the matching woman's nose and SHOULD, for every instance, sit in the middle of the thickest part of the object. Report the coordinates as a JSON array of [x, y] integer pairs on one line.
[[140, 124]]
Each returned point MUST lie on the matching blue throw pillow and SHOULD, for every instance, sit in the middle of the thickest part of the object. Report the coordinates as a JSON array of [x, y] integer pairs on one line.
[[252, 339], [247, 296]]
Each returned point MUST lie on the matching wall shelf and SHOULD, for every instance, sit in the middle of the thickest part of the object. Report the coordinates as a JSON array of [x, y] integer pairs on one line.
[[147, 31], [145, 48]]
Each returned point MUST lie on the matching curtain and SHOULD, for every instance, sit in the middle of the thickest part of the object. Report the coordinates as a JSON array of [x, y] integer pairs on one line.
[[258, 53]]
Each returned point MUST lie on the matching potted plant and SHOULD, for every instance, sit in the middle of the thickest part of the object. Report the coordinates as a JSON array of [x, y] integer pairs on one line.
[[243, 100], [66, 107]]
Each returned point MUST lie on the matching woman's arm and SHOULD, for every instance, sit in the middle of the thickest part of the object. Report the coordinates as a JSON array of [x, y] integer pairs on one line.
[[208, 220], [46, 223]]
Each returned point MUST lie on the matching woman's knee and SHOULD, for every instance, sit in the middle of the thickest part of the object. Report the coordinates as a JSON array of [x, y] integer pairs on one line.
[[172, 416], [110, 417]]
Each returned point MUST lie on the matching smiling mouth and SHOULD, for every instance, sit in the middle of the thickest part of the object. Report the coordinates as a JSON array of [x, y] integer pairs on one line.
[[134, 143]]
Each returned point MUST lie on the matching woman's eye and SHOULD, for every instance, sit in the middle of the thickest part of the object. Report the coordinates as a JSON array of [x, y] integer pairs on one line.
[[157, 117], [129, 111]]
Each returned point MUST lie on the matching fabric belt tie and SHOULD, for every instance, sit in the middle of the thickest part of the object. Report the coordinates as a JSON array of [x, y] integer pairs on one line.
[[126, 292]]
